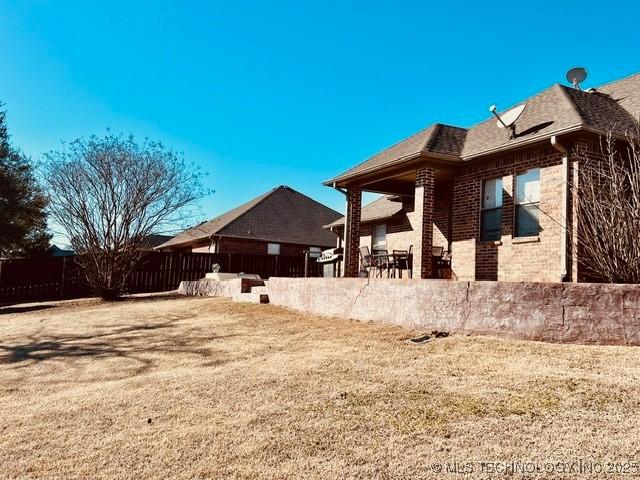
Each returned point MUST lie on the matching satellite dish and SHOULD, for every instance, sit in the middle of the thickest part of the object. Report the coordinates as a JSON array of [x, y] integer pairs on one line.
[[576, 76], [508, 119]]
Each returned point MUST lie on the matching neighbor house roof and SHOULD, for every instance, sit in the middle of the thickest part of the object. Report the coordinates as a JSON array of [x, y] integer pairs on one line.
[[556, 110], [281, 215], [153, 240], [380, 209]]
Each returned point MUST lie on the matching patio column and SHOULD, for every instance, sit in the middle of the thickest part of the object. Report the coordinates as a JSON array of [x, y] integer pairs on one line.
[[423, 228], [352, 231]]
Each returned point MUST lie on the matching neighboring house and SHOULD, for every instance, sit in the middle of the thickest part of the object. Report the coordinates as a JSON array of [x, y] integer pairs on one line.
[[279, 222], [56, 251], [150, 242], [499, 202]]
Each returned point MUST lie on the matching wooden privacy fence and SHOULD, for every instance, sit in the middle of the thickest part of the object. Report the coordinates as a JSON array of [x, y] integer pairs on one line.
[[55, 278]]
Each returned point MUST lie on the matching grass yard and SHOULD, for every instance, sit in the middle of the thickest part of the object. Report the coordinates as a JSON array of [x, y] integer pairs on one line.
[[171, 387]]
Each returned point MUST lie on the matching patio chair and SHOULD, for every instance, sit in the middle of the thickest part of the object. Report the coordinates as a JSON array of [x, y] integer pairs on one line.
[[441, 262], [401, 258], [366, 260], [384, 262]]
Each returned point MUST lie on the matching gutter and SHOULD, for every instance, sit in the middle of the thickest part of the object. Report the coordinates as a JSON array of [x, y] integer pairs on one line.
[[335, 186], [396, 162], [565, 201], [539, 138]]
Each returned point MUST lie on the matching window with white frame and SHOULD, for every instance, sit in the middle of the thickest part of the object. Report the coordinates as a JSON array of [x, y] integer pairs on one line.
[[379, 238], [273, 249], [527, 203], [491, 210]]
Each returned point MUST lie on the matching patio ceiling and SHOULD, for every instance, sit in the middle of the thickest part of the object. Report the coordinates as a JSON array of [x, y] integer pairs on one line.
[[402, 183]]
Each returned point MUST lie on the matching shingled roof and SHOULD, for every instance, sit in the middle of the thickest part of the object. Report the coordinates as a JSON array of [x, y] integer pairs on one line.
[[281, 215], [556, 110], [438, 139], [380, 209]]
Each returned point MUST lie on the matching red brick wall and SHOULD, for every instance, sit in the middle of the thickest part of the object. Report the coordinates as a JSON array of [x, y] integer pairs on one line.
[[512, 259], [400, 232], [423, 215], [352, 231], [594, 148]]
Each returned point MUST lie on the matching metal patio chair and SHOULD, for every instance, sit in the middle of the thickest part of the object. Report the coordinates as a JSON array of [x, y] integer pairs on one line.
[[384, 262], [401, 258], [367, 262]]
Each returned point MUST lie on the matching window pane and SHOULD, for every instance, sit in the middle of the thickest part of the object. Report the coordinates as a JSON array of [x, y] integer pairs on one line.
[[492, 193], [491, 225], [527, 221], [379, 239], [273, 249], [528, 186]]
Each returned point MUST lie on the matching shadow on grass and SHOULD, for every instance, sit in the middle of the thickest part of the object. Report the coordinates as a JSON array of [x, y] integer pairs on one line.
[[7, 308], [24, 309], [132, 342]]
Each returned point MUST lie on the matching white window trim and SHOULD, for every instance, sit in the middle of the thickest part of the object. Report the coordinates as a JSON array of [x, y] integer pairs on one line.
[[382, 245], [517, 203], [483, 209]]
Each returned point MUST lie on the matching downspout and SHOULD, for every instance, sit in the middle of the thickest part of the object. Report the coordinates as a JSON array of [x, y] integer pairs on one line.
[[341, 190], [214, 240], [565, 206], [346, 206]]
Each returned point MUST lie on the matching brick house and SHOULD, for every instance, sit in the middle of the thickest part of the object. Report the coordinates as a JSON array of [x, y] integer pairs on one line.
[[497, 200], [279, 222]]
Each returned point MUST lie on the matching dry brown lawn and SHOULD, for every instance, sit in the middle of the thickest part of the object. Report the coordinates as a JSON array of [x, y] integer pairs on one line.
[[171, 387]]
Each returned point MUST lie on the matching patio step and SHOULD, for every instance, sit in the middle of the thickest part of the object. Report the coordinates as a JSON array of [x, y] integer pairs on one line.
[[262, 289], [251, 297]]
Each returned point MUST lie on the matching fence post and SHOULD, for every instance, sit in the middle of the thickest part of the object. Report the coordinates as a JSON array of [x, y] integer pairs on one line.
[[64, 263]]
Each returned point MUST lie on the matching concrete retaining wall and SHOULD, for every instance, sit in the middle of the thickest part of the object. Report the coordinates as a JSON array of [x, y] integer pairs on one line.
[[572, 313], [216, 288]]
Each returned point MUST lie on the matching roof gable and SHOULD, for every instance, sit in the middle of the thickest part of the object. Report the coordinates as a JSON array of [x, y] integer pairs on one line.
[[549, 111], [437, 139], [553, 111], [280, 215], [285, 216], [625, 92]]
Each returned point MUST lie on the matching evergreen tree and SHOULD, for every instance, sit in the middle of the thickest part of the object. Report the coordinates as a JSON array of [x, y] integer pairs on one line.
[[23, 225]]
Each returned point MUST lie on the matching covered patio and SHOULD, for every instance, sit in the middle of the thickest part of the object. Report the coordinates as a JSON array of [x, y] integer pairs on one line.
[[417, 172]]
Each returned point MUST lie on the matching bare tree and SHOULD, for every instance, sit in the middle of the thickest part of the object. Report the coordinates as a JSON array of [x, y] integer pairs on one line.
[[608, 206], [108, 193]]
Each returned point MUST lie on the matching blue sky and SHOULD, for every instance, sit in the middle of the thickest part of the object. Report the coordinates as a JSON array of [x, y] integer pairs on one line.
[[267, 93]]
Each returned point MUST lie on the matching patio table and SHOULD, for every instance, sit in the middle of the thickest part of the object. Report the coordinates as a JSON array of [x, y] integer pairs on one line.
[[387, 261], [390, 262]]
